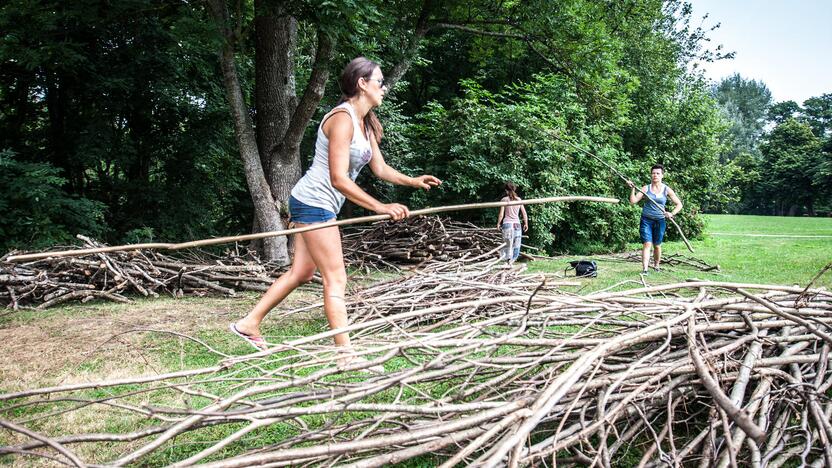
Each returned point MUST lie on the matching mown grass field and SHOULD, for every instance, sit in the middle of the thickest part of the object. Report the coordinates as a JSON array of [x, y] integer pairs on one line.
[[101, 341], [748, 249]]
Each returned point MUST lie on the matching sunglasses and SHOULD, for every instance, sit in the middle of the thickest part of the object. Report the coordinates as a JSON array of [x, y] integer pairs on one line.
[[380, 81]]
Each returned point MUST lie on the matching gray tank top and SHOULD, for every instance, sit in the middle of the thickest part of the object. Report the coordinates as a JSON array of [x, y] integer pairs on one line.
[[315, 187], [650, 210]]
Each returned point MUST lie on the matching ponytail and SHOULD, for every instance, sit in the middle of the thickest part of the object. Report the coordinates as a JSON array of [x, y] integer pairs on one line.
[[511, 191], [372, 124]]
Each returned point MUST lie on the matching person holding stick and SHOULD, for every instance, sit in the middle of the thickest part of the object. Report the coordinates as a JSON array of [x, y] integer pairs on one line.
[[348, 139], [653, 214], [508, 221]]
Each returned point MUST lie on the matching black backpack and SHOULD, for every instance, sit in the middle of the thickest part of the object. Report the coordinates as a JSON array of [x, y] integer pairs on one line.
[[585, 268]]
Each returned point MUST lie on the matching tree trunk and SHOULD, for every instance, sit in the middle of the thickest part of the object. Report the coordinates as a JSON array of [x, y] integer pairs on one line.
[[285, 168], [412, 49], [281, 116], [266, 211], [276, 33], [275, 90]]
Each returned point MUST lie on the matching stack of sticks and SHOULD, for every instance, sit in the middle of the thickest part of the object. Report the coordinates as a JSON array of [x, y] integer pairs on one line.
[[417, 240], [116, 276], [488, 366]]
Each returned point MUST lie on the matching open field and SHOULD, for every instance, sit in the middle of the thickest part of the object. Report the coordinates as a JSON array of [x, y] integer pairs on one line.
[[105, 341], [742, 257]]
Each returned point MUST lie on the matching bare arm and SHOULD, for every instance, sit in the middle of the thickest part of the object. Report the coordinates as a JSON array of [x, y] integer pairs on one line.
[[525, 218], [634, 197], [677, 202], [388, 174], [338, 130], [500, 217]]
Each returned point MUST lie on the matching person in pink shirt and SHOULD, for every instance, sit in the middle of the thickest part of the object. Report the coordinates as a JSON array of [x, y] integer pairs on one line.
[[508, 221]]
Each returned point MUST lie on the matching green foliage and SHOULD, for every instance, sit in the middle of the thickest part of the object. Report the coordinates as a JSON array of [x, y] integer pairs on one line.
[[783, 111], [36, 212], [791, 155], [742, 187], [126, 104], [822, 177], [683, 133], [818, 114], [484, 139], [782, 172], [745, 104]]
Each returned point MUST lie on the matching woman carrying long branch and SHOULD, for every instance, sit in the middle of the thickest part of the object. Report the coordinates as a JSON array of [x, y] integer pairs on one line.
[[348, 139]]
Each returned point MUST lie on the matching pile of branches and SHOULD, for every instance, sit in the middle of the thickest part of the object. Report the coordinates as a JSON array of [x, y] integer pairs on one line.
[[417, 240], [117, 275], [489, 366], [671, 260]]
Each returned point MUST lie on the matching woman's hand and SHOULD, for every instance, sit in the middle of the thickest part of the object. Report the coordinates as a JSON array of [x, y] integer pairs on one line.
[[426, 182], [395, 210], [668, 215], [525, 227], [631, 184]]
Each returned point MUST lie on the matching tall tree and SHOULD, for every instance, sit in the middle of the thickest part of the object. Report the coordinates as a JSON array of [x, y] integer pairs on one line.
[[818, 114], [791, 154], [270, 143], [745, 104], [783, 111]]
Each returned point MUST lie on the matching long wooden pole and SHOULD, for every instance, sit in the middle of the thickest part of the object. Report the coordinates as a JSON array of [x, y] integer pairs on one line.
[[286, 232]]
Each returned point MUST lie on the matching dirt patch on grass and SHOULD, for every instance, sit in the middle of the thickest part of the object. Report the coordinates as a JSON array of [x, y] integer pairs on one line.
[[103, 341]]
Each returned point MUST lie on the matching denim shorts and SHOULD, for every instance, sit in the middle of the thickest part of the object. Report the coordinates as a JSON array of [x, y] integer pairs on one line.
[[652, 230], [302, 213]]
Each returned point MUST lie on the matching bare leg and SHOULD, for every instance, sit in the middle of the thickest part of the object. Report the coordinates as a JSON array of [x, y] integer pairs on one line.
[[324, 246], [303, 267], [645, 255], [657, 255]]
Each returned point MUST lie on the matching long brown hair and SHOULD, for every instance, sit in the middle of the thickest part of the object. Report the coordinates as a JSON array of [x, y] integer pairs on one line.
[[358, 68], [511, 191]]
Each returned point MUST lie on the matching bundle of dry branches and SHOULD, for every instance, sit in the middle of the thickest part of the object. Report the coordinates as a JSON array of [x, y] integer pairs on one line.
[[417, 240], [116, 276], [487, 366]]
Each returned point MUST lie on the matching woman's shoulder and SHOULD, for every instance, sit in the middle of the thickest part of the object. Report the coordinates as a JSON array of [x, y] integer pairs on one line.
[[339, 116]]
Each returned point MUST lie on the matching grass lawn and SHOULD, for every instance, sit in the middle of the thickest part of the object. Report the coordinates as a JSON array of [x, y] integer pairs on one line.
[[102, 341], [745, 248]]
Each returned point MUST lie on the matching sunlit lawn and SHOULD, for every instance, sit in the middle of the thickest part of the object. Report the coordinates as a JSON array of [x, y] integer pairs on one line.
[[730, 242]]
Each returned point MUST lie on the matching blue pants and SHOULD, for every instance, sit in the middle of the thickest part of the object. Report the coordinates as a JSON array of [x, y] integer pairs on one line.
[[512, 235], [652, 230]]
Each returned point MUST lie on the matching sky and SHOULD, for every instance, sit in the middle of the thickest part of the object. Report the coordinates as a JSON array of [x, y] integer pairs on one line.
[[787, 44]]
